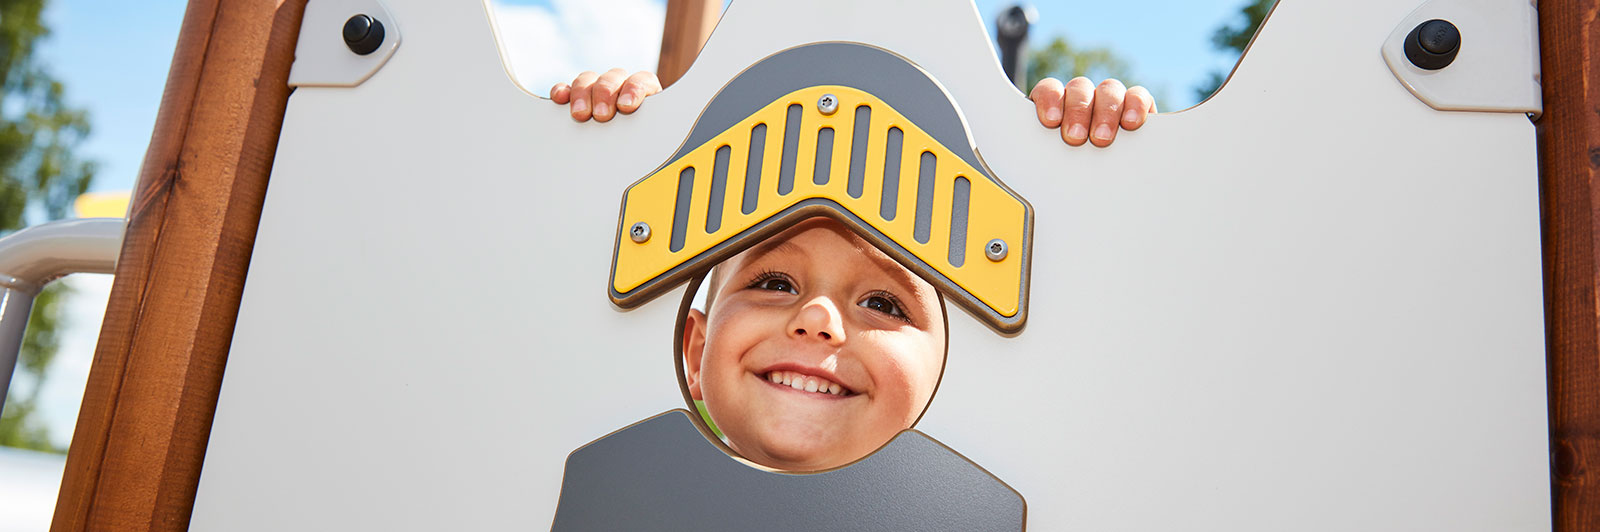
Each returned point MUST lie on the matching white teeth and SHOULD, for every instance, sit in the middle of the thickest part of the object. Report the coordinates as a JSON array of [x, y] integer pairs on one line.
[[806, 383]]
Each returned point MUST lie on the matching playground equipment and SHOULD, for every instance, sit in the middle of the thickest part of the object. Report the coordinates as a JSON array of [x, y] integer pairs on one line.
[[1240, 320]]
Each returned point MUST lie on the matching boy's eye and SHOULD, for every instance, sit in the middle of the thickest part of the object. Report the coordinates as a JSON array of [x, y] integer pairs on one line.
[[780, 285], [886, 304], [775, 282]]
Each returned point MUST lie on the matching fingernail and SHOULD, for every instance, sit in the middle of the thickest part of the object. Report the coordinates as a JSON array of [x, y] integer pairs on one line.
[[601, 109], [580, 106], [625, 100], [1130, 116], [1052, 115], [1103, 132], [1078, 132]]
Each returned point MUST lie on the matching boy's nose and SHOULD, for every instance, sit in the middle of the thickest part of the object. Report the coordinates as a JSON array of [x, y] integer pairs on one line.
[[820, 319]]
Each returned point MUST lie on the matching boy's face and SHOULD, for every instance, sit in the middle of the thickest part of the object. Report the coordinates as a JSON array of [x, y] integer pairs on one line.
[[818, 350]]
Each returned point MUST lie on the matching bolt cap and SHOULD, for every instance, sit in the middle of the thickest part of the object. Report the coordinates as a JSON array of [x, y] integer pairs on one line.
[[363, 34], [1433, 45]]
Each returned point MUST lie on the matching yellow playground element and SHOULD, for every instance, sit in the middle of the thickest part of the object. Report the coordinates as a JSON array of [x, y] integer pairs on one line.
[[963, 225], [102, 204]]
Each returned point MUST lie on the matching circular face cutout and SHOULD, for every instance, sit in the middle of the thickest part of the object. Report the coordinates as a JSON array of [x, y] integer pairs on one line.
[[811, 349]]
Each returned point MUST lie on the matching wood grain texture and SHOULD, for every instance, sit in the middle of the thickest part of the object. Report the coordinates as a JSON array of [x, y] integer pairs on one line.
[[688, 25], [141, 435], [1569, 154]]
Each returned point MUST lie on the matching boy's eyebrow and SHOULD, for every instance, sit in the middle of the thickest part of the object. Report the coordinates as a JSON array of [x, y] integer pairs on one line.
[[781, 246], [892, 268], [900, 274]]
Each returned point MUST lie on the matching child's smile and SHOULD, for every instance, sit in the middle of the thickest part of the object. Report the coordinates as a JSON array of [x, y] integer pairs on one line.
[[818, 349], [809, 383]]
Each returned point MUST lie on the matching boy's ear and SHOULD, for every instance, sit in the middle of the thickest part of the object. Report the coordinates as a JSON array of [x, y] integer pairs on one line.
[[694, 346]]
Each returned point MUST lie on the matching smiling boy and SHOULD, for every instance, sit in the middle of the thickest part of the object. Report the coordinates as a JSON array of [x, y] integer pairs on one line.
[[818, 348]]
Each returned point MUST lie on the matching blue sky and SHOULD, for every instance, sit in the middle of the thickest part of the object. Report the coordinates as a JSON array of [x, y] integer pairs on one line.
[[113, 58]]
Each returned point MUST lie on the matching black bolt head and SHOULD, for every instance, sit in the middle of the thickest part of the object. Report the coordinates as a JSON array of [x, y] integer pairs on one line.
[[1433, 45], [1013, 23], [1438, 36], [363, 34]]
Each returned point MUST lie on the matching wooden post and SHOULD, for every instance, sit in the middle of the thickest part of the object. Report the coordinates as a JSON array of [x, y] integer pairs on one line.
[[1569, 154], [141, 435], [689, 24]]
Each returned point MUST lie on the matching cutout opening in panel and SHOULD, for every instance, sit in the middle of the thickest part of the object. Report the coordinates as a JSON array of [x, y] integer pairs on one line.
[[810, 350]]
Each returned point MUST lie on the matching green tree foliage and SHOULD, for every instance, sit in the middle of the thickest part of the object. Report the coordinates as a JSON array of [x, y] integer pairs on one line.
[[1063, 61], [40, 176], [1234, 37]]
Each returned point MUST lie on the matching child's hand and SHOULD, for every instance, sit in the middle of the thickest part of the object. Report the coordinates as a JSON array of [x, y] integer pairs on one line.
[[1086, 112], [602, 95]]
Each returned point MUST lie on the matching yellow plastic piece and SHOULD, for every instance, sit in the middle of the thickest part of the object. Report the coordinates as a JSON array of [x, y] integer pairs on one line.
[[102, 204], [993, 212]]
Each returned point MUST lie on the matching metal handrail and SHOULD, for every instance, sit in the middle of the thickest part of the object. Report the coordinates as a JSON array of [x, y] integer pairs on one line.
[[32, 258]]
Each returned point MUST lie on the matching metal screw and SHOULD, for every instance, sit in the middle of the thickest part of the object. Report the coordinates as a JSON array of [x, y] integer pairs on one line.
[[640, 232], [827, 104], [363, 34], [996, 250]]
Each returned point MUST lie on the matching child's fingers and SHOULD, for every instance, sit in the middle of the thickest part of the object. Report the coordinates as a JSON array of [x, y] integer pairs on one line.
[[1046, 98], [1107, 112], [560, 93], [580, 95], [1077, 107], [635, 89], [603, 94], [1135, 106]]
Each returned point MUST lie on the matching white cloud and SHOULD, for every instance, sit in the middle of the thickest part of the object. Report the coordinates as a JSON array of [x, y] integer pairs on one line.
[[548, 45]]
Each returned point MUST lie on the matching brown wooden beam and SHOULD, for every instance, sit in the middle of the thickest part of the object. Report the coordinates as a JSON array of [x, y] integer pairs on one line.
[[689, 24], [136, 453], [1569, 155]]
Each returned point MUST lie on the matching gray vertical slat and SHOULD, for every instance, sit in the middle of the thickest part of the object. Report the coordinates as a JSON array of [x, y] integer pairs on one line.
[[680, 214], [823, 169], [858, 150], [752, 169], [925, 174], [958, 221], [719, 185], [891, 174], [791, 148]]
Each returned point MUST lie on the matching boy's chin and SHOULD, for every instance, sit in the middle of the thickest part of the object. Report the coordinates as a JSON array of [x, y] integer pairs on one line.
[[795, 453]]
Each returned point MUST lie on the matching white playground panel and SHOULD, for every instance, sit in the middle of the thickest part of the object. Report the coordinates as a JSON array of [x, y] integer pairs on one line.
[[1310, 303]]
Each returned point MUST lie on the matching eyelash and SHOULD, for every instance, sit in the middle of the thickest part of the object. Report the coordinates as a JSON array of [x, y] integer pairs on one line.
[[901, 307], [769, 275]]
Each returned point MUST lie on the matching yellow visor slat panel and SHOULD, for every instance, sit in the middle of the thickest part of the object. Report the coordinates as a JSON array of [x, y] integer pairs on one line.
[[992, 211]]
